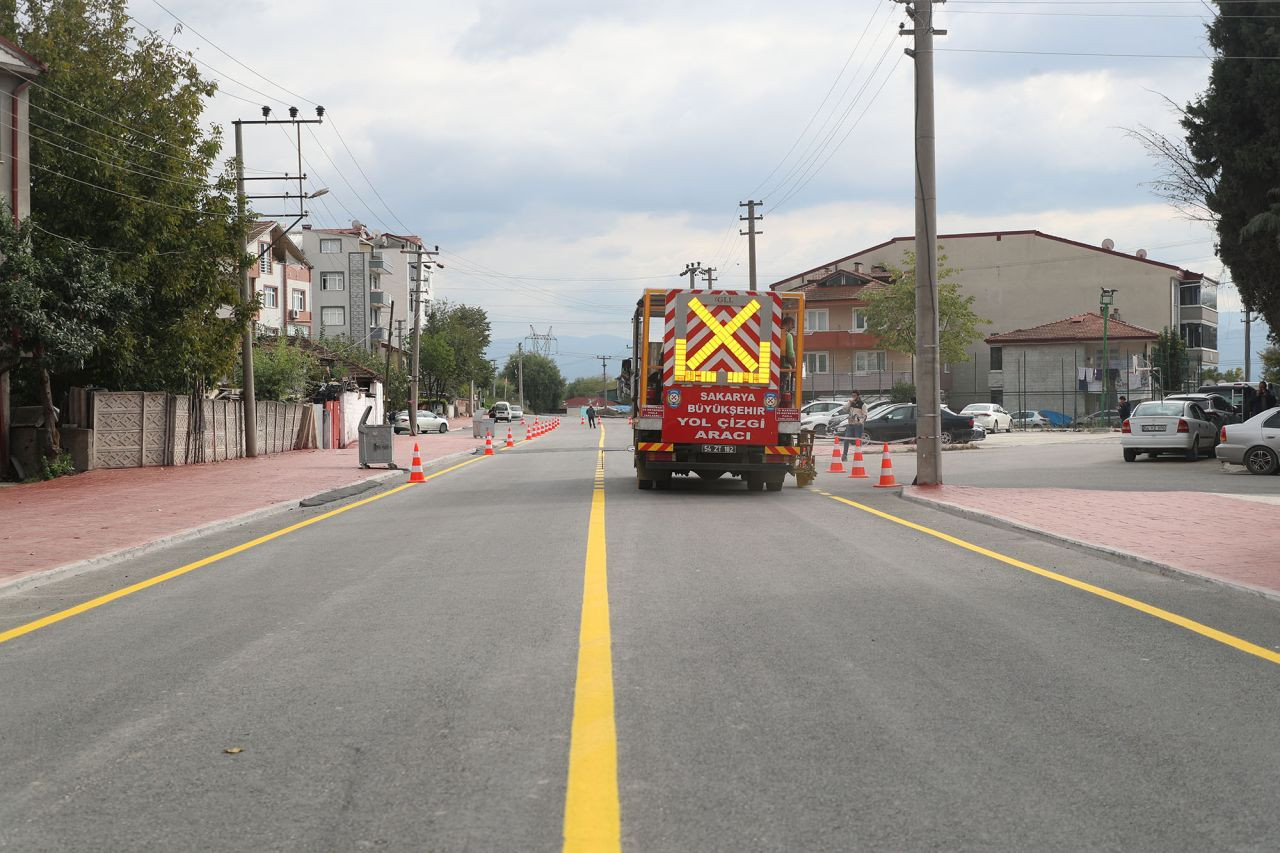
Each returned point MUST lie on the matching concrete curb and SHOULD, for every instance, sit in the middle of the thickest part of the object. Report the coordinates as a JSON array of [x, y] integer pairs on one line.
[[113, 557], [1136, 560]]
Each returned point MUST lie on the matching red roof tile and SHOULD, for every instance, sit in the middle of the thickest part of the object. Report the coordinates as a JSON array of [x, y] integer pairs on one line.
[[1081, 327]]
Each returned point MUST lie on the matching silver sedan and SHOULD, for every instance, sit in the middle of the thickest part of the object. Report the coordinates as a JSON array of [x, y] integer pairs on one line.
[[1167, 426], [1255, 444]]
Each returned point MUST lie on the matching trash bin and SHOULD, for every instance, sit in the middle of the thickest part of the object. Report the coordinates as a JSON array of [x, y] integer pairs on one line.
[[480, 426], [377, 442]]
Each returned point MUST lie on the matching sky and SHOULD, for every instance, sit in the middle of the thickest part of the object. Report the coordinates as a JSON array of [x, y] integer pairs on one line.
[[565, 154]]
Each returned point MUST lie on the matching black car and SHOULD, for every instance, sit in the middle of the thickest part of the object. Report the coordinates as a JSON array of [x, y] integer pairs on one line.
[[1219, 409], [893, 423]]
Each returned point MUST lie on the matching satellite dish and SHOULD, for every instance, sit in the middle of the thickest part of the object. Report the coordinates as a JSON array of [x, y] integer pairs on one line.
[[1142, 253], [1108, 244], [356, 223]]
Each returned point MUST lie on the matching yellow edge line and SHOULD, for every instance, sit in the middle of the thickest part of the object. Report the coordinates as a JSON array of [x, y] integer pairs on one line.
[[591, 812], [1141, 606], [53, 618]]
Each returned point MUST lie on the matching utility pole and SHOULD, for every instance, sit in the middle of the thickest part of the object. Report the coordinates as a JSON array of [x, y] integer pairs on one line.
[[415, 304], [1248, 322], [386, 391], [928, 392], [751, 219], [520, 373], [604, 380], [691, 270], [710, 274], [249, 398], [542, 344], [400, 335]]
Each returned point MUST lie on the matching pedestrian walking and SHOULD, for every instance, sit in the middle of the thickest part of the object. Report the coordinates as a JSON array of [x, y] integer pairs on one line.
[[591, 416], [1124, 409], [854, 426], [1261, 401]]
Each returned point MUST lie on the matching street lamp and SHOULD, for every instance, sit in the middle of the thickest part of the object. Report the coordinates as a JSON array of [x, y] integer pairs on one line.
[[1105, 300]]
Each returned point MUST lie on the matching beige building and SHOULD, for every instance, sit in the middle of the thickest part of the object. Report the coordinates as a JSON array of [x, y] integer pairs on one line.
[[1023, 279]]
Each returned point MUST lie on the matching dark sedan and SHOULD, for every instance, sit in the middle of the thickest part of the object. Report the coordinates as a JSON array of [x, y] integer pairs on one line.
[[898, 422]]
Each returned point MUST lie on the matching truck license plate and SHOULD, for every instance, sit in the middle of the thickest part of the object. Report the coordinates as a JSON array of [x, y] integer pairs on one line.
[[1153, 427], [718, 448]]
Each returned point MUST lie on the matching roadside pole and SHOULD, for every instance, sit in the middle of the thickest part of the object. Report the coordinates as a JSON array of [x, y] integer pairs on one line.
[[248, 397], [415, 305], [751, 219], [929, 369]]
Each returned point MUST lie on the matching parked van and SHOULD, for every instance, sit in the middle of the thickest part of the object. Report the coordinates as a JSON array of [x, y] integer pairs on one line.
[[500, 411]]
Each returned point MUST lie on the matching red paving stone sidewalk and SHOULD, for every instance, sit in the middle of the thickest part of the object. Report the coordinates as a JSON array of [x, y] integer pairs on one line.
[[1150, 525], [47, 525]]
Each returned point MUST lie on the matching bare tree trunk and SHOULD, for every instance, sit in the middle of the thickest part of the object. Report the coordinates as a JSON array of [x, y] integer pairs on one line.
[[53, 438]]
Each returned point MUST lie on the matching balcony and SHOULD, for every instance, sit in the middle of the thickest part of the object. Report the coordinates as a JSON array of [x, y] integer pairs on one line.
[[297, 315], [378, 263], [377, 334], [377, 297], [837, 340]]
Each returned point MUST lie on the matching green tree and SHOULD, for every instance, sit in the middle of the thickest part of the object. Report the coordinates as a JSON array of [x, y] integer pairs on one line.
[[1169, 357], [588, 386], [543, 384], [454, 339], [1233, 135], [59, 305], [891, 312], [1270, 364], [121, 161], [1212, 374], [281, 370]]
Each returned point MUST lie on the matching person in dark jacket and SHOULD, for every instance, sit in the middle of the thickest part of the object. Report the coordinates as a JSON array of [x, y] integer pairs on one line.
[[1261, 401], [1124, 409]]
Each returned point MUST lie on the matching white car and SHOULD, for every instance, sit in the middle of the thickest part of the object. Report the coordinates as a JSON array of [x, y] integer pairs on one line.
[[1030, 420], [1255, 444], [1167, 426], [990, 416], [818, 415], [427, 422]]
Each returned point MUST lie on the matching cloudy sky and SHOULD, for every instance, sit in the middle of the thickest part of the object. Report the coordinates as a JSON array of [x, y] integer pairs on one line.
[[566, 153]]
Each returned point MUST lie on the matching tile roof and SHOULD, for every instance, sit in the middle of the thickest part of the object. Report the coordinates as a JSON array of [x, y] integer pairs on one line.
[[1081, 327]]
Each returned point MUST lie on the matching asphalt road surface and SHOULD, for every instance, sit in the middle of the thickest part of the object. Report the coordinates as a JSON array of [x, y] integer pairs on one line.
[[444, 668]]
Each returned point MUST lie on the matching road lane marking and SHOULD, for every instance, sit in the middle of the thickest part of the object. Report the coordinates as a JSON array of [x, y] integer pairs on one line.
[[53, 618], [591, 812], [1124, 600]]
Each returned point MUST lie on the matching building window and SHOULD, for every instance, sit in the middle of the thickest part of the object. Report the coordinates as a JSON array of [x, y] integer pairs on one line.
[[815, 320], [298, 300], [330, 246], [997, 358], [859, 321], [1200, 335], [815, 362], [264, 258], [333, 281], [868, 361], [333, 315], [299, 331], [375, 317], [270, 297]]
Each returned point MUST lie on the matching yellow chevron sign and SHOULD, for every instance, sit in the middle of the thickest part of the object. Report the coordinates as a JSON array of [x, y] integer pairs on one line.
[[757, 372]]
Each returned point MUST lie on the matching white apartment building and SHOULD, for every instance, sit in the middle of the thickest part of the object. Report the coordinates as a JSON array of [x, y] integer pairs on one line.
[[282, 280]]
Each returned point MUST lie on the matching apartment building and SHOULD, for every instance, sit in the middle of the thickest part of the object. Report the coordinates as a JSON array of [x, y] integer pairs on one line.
[[281, 278], [1024, 279]]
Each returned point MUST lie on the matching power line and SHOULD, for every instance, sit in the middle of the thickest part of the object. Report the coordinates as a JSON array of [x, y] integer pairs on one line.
[[118, 193], [178, 181], [1204, 57]]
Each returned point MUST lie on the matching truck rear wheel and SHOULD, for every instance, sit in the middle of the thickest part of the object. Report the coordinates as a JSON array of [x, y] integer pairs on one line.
[[663, 480], [755, 483], [644, 484]]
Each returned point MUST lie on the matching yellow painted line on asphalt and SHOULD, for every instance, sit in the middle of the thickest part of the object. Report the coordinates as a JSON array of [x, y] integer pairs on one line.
[[1124, 600], [54, 618], [592, 819]]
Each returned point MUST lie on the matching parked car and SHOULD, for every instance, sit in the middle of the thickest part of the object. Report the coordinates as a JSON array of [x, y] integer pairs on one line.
[[990, 416], [1217, 407], [517, 413], [427, 422], [819, 419], [1238, 394], [500, 411], [1255, 444], [1168, 426], [893, 423], [1030, 420], [817, 407], [1098, 420]]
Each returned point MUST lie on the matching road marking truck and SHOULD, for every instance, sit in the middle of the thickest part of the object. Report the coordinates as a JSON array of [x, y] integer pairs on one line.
[[717, 386]]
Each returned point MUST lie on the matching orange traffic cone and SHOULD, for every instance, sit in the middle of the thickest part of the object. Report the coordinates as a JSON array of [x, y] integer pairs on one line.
[[857, 469], [510, 438], [488, 444], [582, 420], [528, 433], [837, 467], [886, 471], [415, 468]]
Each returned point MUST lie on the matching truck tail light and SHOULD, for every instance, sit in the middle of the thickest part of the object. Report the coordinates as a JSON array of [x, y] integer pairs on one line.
[[660, 456], [1182, 425], [1125, 428]]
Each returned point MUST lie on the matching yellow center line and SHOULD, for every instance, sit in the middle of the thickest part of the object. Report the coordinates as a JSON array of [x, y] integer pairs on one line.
[[1141, 606], [53, 618], [591, 812]]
